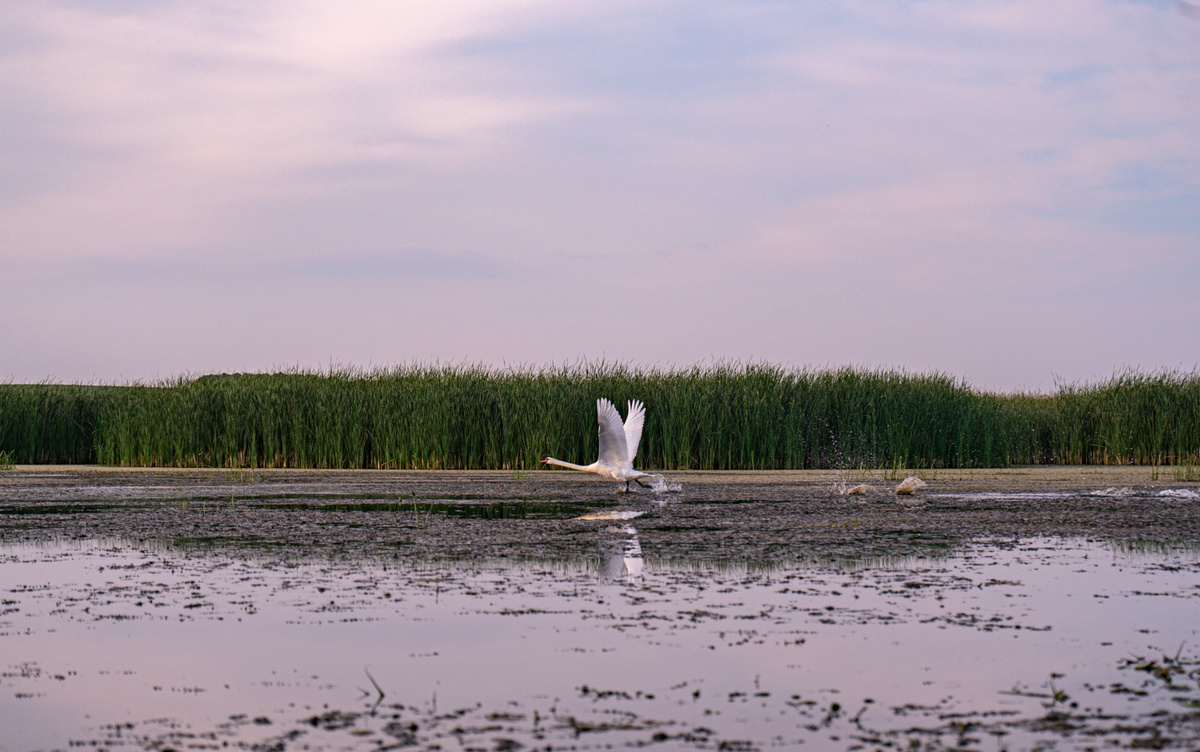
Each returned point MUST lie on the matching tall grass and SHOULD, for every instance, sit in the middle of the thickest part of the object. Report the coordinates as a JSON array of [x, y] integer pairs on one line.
[[719, 417], [1131, 418], [48, 423]]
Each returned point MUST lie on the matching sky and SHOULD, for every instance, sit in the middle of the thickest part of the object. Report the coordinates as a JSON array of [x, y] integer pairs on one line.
[[1007, 192]]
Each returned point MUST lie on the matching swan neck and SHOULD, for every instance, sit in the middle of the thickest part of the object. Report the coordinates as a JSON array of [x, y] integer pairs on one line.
[[561, 463]]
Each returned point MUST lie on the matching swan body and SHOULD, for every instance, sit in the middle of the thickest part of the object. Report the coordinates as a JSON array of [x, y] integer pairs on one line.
[[618, 444]]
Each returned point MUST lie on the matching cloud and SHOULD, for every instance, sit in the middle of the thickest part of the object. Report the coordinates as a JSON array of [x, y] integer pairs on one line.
[[805, 183], [197, 271], [415, 263], [176, 113], [1076, 75]]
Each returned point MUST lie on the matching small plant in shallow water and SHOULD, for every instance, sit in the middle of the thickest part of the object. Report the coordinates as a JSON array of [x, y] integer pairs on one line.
[[241, 476], [6, 461], [417, 513]]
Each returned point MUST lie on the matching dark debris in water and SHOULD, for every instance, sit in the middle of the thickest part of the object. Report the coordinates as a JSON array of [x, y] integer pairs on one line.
[[630, 719]]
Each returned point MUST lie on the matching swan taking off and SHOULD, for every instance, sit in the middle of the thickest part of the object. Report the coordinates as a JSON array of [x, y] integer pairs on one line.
[[618, 445]]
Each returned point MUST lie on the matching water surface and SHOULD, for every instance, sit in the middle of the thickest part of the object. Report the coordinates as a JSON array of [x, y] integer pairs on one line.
[[177, 619]]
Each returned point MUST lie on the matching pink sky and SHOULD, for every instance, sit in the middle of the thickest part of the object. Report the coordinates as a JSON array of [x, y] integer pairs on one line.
[[1008, 192]]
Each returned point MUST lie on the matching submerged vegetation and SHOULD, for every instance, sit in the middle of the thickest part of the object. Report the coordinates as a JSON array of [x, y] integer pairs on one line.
[[719, 417]]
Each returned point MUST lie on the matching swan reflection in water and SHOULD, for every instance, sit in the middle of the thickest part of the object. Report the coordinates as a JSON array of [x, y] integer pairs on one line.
[[622, 556], [624, 560]]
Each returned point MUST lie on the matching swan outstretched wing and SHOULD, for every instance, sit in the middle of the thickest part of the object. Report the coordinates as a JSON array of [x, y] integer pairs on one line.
[[633, 427], [613, 450]]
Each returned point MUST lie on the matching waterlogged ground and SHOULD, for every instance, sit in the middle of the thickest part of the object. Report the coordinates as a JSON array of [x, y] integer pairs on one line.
[[278, 610]]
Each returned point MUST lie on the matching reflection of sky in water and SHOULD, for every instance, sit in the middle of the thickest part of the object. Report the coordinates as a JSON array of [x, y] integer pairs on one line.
[[142, 633]]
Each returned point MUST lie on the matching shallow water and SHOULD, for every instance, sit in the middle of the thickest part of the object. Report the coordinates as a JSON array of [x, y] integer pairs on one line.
[[631, 635], [128, 645]]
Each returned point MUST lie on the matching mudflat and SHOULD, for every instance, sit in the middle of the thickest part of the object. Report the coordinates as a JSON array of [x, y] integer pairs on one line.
[[765, 517]]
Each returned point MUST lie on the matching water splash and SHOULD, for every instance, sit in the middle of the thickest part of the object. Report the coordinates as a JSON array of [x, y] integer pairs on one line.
[[910, 486], [1178, 493], [1115, 493], [660, 485]]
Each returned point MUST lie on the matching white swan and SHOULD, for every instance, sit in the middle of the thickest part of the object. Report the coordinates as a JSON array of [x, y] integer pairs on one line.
[[618, 444]]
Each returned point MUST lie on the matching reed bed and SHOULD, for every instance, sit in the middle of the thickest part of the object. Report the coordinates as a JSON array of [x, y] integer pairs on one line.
[[722, 417]]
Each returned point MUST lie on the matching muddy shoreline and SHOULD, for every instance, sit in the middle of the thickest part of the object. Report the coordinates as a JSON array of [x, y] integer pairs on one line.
[[755, 517]]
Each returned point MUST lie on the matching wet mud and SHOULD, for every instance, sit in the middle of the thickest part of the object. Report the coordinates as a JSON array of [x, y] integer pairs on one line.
[[760, 517]]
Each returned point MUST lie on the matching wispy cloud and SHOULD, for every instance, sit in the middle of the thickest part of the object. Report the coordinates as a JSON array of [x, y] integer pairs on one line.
[[806, 183], [197, 271], [414, 263]]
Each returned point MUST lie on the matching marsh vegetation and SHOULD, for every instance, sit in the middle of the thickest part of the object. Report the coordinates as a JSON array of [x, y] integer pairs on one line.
[[722, 417]]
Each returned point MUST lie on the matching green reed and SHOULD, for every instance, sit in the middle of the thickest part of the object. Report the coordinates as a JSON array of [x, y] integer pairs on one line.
[[1132, 418], [48, 423], [726, 416]]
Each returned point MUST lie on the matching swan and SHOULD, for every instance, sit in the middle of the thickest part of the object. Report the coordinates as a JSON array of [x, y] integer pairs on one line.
[[618, 444]]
